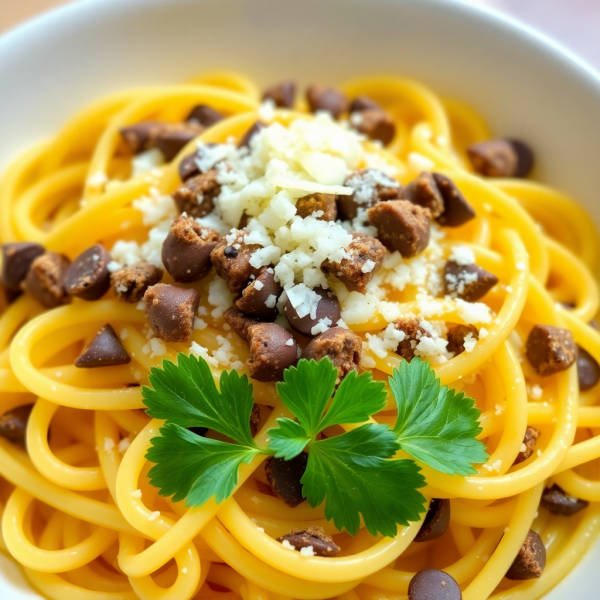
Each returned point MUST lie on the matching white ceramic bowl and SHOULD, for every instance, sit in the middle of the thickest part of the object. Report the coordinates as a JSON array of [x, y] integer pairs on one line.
[[523, 83]]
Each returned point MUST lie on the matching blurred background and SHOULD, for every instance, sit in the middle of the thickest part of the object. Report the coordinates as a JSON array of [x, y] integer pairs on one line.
[[574, 23]]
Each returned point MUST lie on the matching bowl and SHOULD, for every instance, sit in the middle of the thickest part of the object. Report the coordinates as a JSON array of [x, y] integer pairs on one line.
[[523, 83]]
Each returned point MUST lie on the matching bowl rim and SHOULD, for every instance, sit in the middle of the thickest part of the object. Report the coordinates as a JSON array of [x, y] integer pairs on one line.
[[490, 16]]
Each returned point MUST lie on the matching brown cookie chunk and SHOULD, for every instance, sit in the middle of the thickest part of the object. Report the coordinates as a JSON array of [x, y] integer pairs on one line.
[[501, 158], [436, 521], [255, 420], [105, 350], [401, 226], [440, 195], [530, 560], [531, 436], [232, 263], [87, 277], [16, 260], [341, 346], [247, 137], [456, 338], [361, 103], [196, 196], [376, 124], [467, 282], [315, 537], [413, 332], [45, 280], [171, 311], [588, 369], [308, 205], [130, 283], [321, 97], [282, 94], [284, 477], [13, 424], [364, 258], [432, 584], [190, 164], [558, 502], [259, 297], [169, 138], [369, 186], [186, 249], [272, 350], [550, 349], [239, 322], [204, 115], [327, 308]]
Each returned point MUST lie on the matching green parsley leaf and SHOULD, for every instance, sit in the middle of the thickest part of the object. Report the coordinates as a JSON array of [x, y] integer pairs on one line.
[[350, 473], [357, 398], [288, 440], [194, 467], [185, 393], [306, 390], [435, 424]]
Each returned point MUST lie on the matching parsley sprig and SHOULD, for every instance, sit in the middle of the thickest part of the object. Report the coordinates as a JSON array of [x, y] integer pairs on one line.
[[355, 473]]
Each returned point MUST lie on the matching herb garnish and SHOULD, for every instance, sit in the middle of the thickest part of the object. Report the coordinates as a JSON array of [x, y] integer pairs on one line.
[[355, 473]]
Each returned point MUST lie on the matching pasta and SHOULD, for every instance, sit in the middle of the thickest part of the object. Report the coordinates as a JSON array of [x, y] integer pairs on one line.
[[79, 514]]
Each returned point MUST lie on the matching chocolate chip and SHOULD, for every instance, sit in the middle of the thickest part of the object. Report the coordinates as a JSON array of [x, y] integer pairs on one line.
[[235, 270], [259, 297], [550, 349], [230, 252], [401, 226], [13, 424], [282, 94], [501, 158], [247, 137], [174, 137], [376, 124], [361, 103], [327, 308], [255, 420], [16, 260], [87, 277], [588, 369], [130, 283], [457, 211], [440, 195], [239, 322], [413, 333], [558, 502], [529, 440], [467, 282], [45, 279], [196, 196], [315, 537], [284, 477], [171, 311], [530, 561], [325, 203], [369, 186], [188, 167], [186, 249], [321, 97], [364, 257], [272, 350], [432, 584], [436, 521], [340, 345], [105, 350], [169, 138], [457, 335], [204, 115]]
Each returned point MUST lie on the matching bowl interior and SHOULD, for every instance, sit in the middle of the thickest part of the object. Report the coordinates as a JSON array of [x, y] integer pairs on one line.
[[524, 86]]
